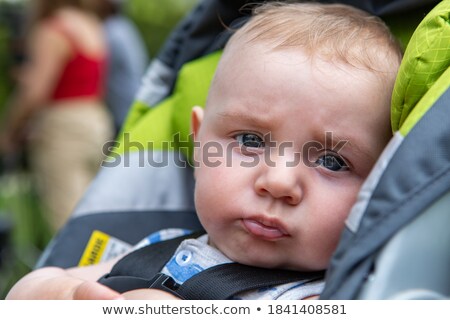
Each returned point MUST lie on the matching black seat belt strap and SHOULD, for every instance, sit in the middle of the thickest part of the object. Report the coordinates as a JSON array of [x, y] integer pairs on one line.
[[141, 269], [226, 280], [137, 269]]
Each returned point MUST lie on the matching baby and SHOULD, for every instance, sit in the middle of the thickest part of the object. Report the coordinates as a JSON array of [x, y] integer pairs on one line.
[[298, 113]]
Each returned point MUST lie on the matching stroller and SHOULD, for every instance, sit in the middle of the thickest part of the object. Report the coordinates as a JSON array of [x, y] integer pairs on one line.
[[388, 229]]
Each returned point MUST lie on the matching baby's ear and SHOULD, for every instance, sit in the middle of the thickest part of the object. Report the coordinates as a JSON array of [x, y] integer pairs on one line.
[[196, 122]]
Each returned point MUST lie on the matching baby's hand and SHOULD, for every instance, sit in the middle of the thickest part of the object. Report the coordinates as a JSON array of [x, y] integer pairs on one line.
[[148, 294]]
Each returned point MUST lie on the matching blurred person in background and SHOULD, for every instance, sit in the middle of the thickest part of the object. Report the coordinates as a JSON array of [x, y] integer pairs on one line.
[[128, 59], [57, 110]]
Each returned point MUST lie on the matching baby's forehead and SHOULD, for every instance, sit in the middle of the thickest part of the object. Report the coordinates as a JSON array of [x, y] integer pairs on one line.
[[243, 75], [382, 63], [324, 61]]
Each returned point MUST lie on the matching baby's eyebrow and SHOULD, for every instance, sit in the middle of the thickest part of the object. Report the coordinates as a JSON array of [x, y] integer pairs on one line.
[[257, 120], [355, 147]]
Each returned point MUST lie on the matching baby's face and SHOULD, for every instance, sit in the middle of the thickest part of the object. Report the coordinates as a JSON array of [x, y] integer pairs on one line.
[[285, 144]]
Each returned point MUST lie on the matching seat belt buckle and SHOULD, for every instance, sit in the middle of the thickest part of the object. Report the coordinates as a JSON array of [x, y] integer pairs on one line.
[[165, 283]]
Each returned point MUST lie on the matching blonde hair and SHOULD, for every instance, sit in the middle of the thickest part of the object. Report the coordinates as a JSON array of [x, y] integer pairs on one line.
[[331, 31]]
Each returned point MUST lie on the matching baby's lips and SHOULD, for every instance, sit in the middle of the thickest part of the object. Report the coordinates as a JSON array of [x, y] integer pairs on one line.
[[263, 231]]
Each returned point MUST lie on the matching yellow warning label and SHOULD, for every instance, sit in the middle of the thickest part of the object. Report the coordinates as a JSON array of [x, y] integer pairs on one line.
[[94, 249]]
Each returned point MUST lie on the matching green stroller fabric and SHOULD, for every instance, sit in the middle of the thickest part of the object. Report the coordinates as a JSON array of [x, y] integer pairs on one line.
[[166, 126], [424, 71]]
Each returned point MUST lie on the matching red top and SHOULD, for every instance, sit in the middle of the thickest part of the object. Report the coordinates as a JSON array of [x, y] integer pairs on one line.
[[83, 75]]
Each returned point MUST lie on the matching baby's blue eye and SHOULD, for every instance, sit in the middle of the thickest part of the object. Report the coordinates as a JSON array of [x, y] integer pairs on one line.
[[332, 162], [250, 140]]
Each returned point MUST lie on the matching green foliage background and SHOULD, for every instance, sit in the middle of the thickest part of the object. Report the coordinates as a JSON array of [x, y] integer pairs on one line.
[[155, 18]]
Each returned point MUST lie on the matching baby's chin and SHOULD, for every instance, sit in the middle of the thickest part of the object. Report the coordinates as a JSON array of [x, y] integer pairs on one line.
[[269, 261]]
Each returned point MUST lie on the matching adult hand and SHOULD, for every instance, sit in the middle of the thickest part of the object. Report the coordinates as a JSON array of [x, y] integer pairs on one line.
[[57, 284]]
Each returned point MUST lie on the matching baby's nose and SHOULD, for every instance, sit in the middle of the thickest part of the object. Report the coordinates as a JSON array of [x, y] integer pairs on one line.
[[280, 179]]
